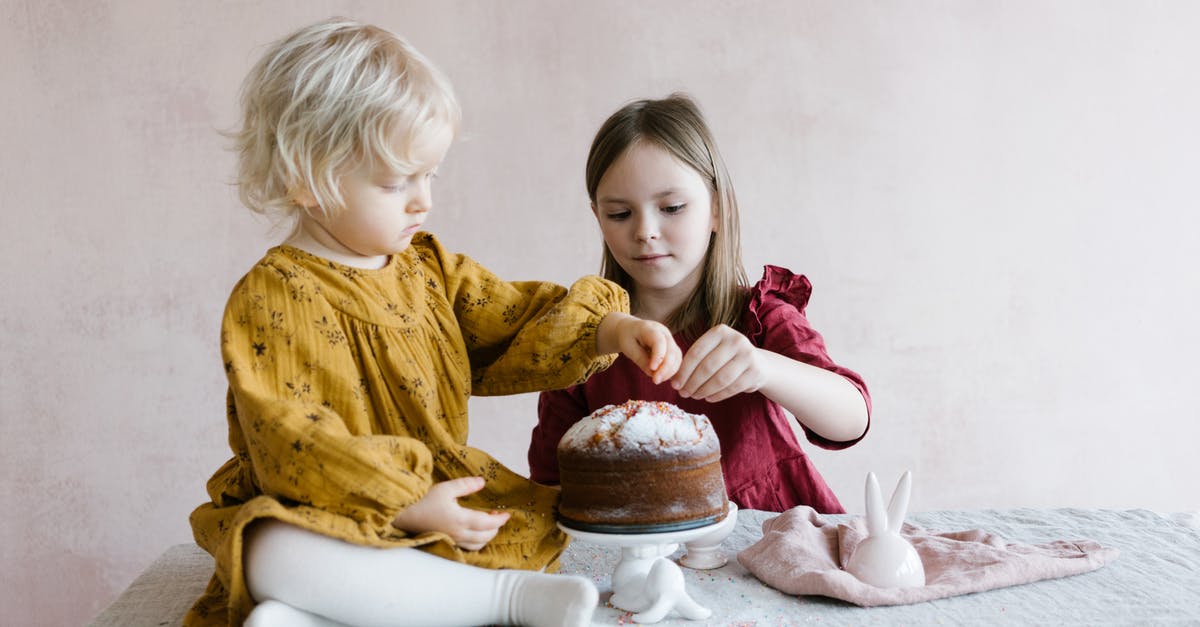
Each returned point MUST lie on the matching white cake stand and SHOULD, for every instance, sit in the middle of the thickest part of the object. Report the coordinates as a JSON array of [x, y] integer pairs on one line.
[[646, 582]]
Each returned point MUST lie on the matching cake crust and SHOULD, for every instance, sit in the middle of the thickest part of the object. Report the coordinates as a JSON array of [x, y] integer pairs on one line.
[[641, 465]]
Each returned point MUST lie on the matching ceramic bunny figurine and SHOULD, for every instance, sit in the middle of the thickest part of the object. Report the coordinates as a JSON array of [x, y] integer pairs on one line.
[[885, 559], [648, 583]]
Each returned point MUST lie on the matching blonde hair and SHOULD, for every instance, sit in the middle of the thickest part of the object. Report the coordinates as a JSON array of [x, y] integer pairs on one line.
[[676, 125], [326, 98]]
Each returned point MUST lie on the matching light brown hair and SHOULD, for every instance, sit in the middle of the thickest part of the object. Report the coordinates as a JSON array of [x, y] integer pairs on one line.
[[676, 125]]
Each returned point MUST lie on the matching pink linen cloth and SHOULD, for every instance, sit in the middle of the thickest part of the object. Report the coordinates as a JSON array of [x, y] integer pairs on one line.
[[802, 554]]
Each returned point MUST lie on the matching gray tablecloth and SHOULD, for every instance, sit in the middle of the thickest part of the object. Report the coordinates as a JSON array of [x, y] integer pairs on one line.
[[1156, 580]]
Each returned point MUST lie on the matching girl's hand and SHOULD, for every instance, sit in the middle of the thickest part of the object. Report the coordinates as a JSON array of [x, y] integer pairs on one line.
[[439, 510], [721, 364], [647, 343]]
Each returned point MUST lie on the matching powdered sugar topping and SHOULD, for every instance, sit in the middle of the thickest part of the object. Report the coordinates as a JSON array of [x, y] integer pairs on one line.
[[641, 425]]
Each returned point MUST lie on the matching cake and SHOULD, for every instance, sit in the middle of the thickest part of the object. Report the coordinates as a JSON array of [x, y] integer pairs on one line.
[[640, 467]]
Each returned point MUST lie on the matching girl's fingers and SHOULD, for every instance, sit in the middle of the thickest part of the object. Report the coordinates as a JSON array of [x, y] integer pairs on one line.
[[715, 392], [707, 385], [707, 367], [711, 340], [718, 370], [695, 355]]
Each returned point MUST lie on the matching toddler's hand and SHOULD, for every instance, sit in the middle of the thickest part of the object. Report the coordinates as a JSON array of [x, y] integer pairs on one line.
[[651, 346], [439, 510], [720, 364]]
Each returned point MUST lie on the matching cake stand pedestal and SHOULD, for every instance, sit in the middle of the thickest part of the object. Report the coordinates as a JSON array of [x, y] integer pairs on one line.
[[645, 581]]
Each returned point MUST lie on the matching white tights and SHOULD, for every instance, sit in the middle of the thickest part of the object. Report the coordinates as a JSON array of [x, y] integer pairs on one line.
[[306, 579]]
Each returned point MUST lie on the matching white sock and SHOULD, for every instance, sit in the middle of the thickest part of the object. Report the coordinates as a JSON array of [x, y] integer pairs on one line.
[[369, 587], [541, 600]]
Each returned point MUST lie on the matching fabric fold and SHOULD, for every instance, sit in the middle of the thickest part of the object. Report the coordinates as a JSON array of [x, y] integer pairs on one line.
[[783, 284], [802, 554]]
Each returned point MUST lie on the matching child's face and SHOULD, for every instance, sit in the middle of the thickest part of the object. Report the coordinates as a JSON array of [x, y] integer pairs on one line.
[[383, 209], [657, 217]]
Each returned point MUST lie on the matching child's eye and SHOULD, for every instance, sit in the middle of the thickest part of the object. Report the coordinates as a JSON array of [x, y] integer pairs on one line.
[[674, 208], [393, 189], [618, 215]]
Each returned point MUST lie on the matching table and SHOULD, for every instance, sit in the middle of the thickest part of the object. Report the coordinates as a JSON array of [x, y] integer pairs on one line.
[[1156, 579]]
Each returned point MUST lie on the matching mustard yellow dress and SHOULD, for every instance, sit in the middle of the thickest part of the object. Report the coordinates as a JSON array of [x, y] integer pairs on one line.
[[348, 397]]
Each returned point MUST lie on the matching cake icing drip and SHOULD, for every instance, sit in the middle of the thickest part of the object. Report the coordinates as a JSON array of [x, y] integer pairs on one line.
[[643, 425]]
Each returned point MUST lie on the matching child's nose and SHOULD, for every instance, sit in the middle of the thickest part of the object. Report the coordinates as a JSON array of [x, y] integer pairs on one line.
[[421, 200], [647, 229]]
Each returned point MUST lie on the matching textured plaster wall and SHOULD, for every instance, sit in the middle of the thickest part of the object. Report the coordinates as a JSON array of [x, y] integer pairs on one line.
[[996, 203]]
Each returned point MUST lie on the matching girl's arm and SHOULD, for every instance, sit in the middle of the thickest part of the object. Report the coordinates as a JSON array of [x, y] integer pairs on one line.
[[723, 362], [782, 356], [823, 401]]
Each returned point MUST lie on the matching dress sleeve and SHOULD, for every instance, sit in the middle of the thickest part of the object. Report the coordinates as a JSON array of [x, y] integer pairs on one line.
[[775, 321], [527, 336], [292, 378], [557, 411]]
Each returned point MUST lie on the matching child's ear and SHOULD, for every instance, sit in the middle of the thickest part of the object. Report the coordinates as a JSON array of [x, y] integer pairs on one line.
[[303, 197]]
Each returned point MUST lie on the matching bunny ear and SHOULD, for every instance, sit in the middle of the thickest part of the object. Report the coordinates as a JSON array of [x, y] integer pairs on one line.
[[898, 507], [876, 517]]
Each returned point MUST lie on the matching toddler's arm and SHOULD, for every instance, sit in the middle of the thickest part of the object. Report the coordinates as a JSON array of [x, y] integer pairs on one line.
[[523, 336]]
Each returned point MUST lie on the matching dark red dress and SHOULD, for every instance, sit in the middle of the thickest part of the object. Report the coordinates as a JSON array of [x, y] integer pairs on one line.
[[763, 464]]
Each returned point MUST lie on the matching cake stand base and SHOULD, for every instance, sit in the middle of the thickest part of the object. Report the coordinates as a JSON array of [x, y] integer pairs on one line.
[[646, 582]]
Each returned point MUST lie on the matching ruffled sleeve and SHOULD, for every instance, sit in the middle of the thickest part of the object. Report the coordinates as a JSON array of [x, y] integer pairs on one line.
[[524, 336], [778, 285], [775, 320]]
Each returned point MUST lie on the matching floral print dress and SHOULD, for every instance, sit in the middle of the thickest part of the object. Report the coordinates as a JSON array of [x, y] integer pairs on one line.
[[348, 393]]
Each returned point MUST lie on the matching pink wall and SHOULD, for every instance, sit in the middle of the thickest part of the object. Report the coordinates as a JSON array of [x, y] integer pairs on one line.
[[995, 202]]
